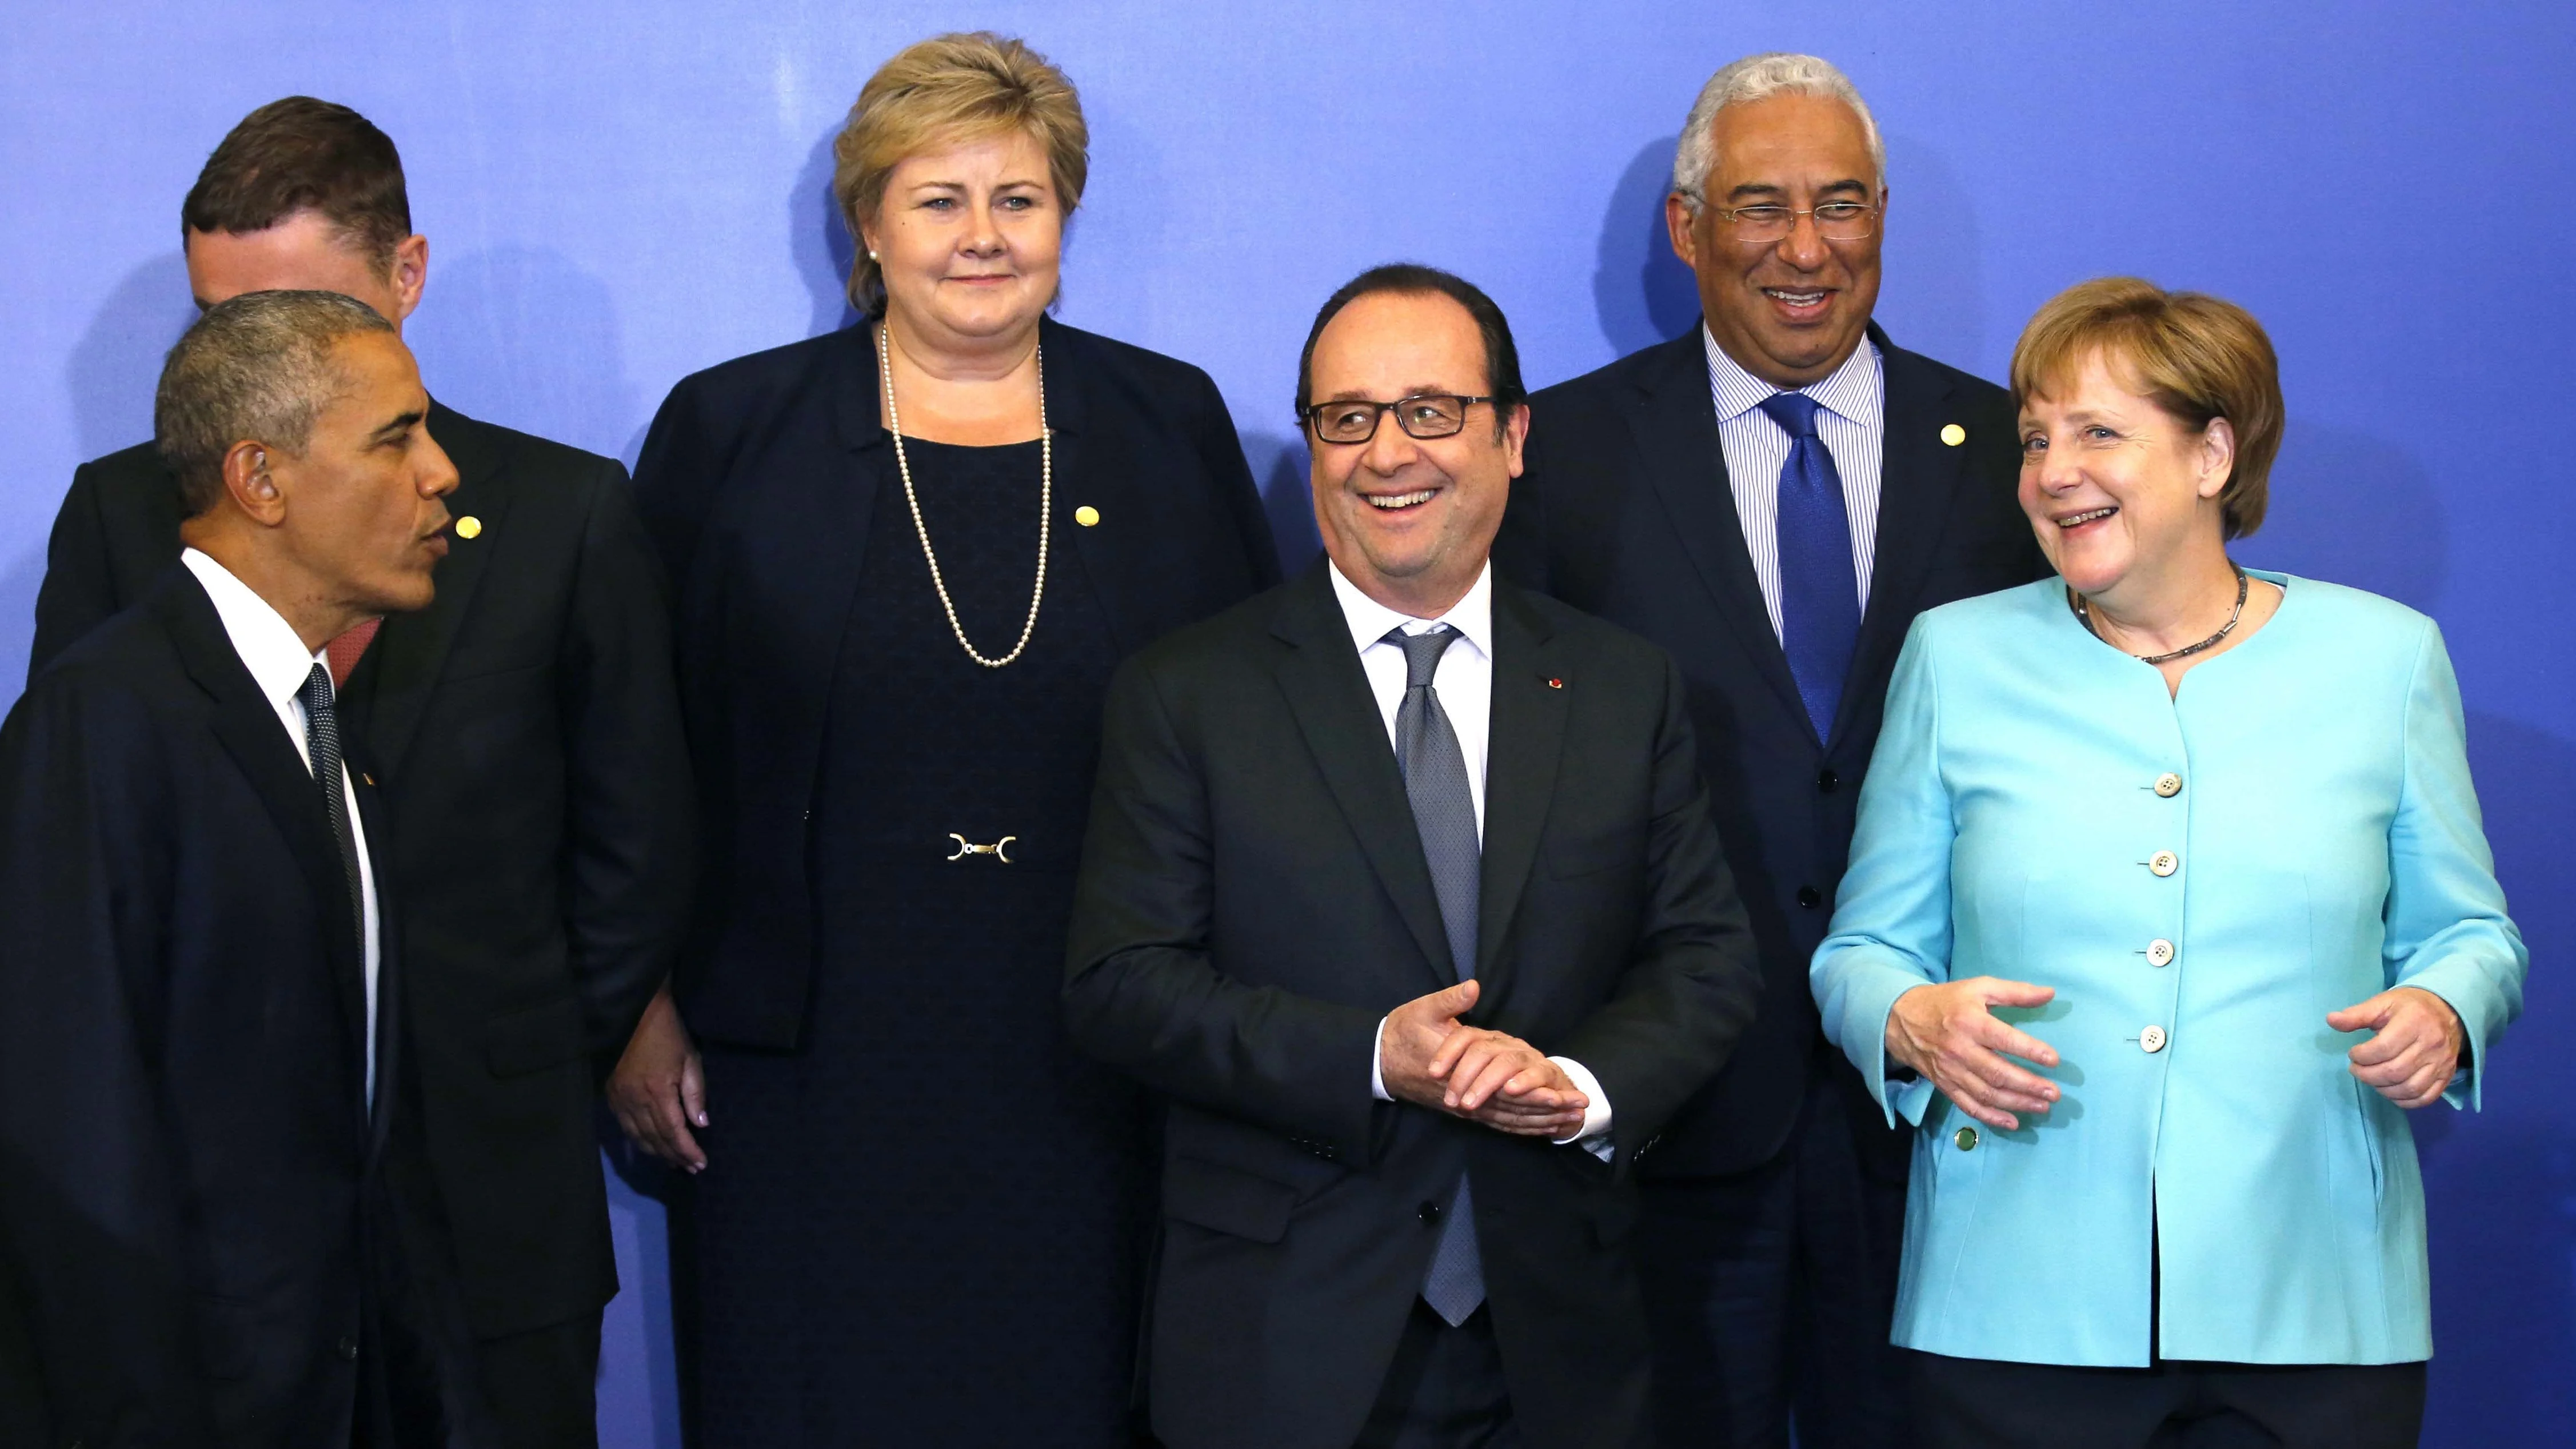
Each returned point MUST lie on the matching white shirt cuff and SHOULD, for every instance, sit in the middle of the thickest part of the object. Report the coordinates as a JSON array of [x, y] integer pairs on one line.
[[1594, 1135], [1377, 1065]]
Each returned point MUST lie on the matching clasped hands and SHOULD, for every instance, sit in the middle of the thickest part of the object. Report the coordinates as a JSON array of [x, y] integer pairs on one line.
[[1428, 1057], [1949, 1033]]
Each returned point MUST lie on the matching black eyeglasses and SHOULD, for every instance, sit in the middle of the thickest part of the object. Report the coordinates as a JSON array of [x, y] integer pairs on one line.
[[1423, 415]]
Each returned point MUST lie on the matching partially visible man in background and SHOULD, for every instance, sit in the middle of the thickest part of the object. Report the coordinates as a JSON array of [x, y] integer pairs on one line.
[[527, 734], [215, 1224], [1773, 498]]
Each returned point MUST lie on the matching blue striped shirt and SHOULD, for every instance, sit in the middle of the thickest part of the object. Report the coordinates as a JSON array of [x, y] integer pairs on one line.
[[1852, 421]]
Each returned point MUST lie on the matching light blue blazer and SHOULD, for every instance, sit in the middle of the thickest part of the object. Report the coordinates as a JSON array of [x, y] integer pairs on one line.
[[2314, 841]]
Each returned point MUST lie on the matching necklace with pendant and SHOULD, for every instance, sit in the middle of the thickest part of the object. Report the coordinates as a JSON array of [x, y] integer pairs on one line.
[[2188, 650], [1046, 495]]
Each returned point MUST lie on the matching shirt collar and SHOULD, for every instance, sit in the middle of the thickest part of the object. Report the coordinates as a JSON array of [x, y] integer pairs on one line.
[[269, 647], [1472, 616], [1850, 392]]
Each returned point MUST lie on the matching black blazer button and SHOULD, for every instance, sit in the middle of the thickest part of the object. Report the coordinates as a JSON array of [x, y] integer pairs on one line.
[[1429, 1212], [348, 1348], [1827, 782], [1810, 897]]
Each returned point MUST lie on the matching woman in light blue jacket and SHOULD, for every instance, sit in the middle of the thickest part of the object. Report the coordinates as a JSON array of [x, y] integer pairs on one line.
[[2169, 893]]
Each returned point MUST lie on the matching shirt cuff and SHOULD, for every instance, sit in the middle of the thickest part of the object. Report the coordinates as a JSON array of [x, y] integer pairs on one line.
[[1377, 1064], [1594, 1134]]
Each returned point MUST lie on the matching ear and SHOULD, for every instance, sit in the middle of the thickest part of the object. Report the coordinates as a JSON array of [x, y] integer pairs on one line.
[[1680, 224], [251, 486], [409, 274], [2217, 457], [1516, 436]]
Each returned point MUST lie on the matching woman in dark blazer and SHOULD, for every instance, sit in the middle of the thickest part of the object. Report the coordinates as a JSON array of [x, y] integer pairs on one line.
[[893, 678]]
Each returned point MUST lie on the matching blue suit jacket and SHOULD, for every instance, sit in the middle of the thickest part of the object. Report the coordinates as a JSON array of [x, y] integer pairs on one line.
[[2326, 845]]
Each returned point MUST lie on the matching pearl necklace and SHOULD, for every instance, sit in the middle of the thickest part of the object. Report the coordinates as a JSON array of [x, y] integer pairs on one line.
[[1046, 496]]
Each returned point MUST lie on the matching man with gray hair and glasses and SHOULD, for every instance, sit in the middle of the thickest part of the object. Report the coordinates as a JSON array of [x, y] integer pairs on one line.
[[1773, 497], [215, 1220]]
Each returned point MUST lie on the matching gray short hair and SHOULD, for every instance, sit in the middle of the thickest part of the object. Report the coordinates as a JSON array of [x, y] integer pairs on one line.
[[256, 368], [1758, 78]]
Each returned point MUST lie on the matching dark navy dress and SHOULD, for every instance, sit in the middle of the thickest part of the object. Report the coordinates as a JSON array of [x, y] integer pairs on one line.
[[926, 1225]]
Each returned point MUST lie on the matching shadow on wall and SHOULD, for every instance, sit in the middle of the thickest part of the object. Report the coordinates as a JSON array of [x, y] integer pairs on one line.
[[1279, 468], [522, 337], [1932, 295], [117, 362], [1640, 290], [818, 243], [2500, 1187], [2350, 509]]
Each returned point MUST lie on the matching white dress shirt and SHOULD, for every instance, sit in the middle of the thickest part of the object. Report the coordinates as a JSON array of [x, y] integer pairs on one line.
[[1464, 685], [1851, 421], [279, 664]]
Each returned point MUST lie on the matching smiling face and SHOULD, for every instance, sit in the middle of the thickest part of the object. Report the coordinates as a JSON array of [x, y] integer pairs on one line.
[[362, 511], [2122, 495], [1410, 520], [1789, 311], [969, 238]]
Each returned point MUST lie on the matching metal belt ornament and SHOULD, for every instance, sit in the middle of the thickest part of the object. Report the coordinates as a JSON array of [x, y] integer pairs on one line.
[[1000, 849]]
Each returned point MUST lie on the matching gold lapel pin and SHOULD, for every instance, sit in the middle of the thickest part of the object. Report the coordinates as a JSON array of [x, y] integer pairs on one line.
[[1953, 434], [370, 779], [469, 527], [1086, 515]]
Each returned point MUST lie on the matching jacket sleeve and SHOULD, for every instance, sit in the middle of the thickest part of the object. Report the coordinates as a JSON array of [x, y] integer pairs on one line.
[[2446, 928], [79, 591], [1693, 985], [1142, 989], [90, 1216], [1221, 452], [631, 840], [1892, 929]]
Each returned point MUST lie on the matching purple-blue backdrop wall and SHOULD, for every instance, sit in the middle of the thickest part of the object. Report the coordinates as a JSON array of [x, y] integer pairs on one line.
[[618, 194]]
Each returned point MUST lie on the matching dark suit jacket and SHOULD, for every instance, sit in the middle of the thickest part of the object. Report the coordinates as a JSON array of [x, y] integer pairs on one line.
[[529, 740], [1253, 900], [201, 1221], [1623, 509], [759, 480]]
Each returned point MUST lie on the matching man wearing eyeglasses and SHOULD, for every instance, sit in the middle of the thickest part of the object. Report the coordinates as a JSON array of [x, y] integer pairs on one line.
[[1773, 498], [1400, 888]]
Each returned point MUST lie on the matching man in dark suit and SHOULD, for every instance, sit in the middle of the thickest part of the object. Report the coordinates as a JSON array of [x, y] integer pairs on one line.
[[528, 739], [214, 1228], [1773, 498], [1400, 884]]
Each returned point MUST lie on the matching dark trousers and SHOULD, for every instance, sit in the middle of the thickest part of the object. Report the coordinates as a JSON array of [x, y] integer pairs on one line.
[[1769, 1293], [1444, 1390], [543, 1385], [1965, 1403]]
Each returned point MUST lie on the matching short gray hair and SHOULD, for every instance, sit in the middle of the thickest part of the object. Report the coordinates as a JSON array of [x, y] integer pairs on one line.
[[1758, 78], [257, 368]]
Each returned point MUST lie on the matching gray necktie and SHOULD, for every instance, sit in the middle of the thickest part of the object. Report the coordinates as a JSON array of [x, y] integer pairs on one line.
[[1435, 781]]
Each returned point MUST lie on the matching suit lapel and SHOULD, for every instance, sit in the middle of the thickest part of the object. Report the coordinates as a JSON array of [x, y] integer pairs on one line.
[[1527, 736], [1328, 693], [393, 683], [388, 1027], [248, 727], [1918, 489], [1675, 421], [1124, 583]]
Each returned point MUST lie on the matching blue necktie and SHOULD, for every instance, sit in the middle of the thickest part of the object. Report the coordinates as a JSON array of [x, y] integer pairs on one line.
[[1435, 784], [1819, 599]]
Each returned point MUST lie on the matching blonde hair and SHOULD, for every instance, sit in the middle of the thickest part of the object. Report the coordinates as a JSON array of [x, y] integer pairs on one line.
[[945, 90], [2195, 356]]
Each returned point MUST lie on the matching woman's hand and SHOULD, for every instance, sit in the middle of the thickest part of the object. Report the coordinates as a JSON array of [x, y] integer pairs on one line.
[[2415, 1048], [659, 1089], [1947, 1033]]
